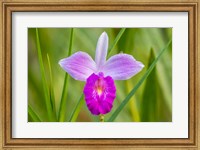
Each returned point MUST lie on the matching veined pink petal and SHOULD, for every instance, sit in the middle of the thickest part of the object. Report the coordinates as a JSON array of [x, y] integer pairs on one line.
[[101, 50], [79, 65], [121, 67], [100, 93]]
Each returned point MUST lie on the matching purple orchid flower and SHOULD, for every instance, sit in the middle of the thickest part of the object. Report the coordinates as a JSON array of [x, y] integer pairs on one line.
[[100, 89]]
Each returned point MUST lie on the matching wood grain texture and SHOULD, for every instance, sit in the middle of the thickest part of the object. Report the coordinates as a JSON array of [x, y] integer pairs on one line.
[[198, 76], [9, 6], [102, 1], [1, 77]]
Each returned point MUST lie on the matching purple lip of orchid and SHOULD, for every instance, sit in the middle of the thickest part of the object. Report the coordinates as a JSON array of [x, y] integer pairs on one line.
[[100, 74]]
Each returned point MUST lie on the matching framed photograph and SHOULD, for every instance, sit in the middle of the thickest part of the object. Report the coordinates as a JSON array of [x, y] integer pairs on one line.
[[110, 75]]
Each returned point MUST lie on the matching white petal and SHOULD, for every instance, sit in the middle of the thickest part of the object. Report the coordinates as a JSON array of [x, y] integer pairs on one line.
[[79, 65], [101, 50], [122, 67]]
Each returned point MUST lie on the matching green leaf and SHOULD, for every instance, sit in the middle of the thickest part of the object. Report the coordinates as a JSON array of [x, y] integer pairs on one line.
[[154, 106], [52, 98], [33, 115], [149, 101], [132, 104], [116, 40], [44, 82], [77, 109], [126, 100], [63, 102]]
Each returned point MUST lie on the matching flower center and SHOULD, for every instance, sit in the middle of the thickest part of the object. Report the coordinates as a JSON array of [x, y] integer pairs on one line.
[[100, 86], [99, 91]]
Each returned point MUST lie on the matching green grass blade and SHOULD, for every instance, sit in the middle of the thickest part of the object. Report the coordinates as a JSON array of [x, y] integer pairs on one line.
[[52, 98], [149, 96], [71, 41], [116, 40], [63, 102], [154, 107], [33, 115], [132, 105], [44, 82], [77, 109], [126, 100]]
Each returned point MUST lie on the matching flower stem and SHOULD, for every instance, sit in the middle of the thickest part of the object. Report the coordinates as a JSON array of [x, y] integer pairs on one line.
[[101, 117]]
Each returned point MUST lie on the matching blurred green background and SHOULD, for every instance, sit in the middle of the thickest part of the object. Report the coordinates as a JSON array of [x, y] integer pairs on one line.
[[152, 102]]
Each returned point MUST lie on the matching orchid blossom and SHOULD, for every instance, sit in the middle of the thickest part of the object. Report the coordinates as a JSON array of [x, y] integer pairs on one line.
[[99, 74]]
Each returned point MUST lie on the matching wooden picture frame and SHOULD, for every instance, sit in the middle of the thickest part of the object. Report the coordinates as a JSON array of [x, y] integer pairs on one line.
[[9, 6]]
